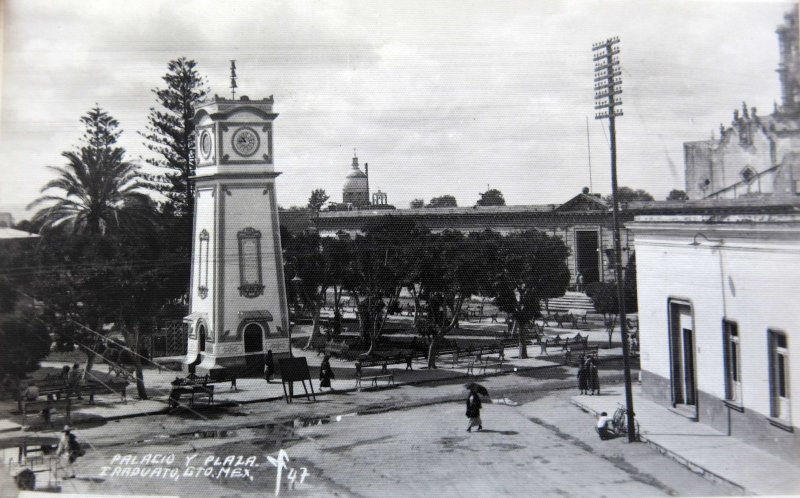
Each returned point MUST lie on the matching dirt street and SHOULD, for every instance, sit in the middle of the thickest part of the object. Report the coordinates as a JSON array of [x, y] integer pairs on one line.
[[408, 441]]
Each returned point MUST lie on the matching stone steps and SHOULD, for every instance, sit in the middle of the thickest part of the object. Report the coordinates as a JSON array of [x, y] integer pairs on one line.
[[570, 301]]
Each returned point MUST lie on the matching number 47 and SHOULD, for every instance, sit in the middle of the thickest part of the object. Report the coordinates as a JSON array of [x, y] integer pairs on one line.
[[280, 464]]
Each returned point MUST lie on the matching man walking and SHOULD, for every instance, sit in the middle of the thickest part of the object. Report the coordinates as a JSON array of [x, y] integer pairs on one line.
[[68, 451]]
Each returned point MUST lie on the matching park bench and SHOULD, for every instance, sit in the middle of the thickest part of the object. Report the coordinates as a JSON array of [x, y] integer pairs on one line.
[[564, 344], [554, 317], [404, 357], [52, 384], [112, 386], [196, 388], [373, 379], [45, 406], [577, 316], [484, 363], [551, 342]]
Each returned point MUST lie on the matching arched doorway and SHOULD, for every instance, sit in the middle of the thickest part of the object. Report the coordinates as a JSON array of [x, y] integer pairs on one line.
[[254, 343], [201, 337]]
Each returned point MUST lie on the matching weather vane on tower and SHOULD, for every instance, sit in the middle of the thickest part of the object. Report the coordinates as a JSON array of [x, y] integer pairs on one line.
[[233, 79]]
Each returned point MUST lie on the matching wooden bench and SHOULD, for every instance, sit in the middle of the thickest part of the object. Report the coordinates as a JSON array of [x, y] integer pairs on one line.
[[551, 342], [492, 362], [52, 384], [577, 316], [203, 391], [590, 351], [373, 379], [113, 387], [194, 391], [45, 406], [557, 317], [484, 363]]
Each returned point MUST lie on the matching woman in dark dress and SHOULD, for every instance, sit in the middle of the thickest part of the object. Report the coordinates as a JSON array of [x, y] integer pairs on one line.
[[583, 377], [325, 373], [269, 369], [474, 410], [594, 377]]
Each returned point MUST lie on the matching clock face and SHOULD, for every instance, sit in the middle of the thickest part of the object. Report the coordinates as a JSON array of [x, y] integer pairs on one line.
[[205, 144], [245, 142]]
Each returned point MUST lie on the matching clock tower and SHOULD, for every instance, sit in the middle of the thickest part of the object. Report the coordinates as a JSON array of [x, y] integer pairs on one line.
[[237, 297]]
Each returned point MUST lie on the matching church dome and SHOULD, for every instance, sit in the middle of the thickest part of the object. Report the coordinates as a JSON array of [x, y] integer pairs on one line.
[[356, 186], [356, 180]]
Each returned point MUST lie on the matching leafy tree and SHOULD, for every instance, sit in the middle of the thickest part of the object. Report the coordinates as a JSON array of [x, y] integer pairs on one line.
[[309, 273], [170, 133], [443, 201], [604, 298], [627, 194], [14, 273], [491, 197], [140, 291], [97, 189], [24, 342], [677, 195], [378, 272], [533, 267], [317, 200], [417, 204], [448, 270]]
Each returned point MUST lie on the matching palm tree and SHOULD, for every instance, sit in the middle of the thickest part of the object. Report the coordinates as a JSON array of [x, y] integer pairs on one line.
[[99, 191]]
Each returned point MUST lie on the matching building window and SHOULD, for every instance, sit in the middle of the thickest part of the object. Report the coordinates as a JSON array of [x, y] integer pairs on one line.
[[733, 384], [251, 284], [748, 175], [202, 266], [779, 375]]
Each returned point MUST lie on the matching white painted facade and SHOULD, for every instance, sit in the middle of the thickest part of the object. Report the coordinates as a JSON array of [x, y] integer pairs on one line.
[[744, 269]]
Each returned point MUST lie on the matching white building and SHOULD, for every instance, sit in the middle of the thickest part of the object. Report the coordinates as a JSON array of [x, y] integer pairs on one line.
[[720, 320]]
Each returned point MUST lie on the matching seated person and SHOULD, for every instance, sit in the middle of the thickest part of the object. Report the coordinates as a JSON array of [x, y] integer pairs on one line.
[[175, 393], [31, 393], [605, 426]]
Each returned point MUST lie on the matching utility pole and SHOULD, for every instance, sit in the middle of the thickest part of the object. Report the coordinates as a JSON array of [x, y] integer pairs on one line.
[[607, 88]]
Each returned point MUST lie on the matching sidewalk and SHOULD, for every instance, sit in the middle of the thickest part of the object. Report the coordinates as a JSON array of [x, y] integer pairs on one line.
[[250, 390], [701, 448]]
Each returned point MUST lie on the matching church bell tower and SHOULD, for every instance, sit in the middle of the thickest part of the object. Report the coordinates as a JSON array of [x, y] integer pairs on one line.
[[237, 297]]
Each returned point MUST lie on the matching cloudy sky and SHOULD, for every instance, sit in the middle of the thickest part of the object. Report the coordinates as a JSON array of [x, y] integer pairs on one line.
[[440, 97]]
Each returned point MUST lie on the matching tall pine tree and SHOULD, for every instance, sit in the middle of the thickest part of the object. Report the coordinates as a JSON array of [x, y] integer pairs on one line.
[[101, 129], [171, 133]]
